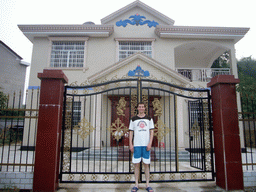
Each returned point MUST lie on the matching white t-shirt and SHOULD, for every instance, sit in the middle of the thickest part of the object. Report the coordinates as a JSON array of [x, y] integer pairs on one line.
[[141, 128]]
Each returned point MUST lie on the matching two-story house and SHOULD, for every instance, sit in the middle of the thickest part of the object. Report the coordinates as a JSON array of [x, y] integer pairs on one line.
[[133, 35]]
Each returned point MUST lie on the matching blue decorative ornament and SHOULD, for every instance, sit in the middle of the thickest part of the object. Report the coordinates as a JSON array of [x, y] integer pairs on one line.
[[138, 72], [136, 20]]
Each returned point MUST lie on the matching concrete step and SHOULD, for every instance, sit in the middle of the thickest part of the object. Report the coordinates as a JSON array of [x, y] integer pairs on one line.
[[163, 155]]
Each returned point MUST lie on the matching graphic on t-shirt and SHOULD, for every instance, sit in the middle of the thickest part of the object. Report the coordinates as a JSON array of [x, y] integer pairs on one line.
[[142, 124]]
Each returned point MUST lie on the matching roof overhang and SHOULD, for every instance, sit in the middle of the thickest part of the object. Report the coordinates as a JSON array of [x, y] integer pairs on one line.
[[24, 63], [89, 30], [201, 32]]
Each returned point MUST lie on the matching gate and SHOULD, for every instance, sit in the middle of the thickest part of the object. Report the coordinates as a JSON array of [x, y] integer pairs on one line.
[[95, 132], [200, 134]]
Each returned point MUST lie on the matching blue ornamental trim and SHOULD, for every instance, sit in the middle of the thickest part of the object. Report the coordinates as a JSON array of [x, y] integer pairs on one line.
[[138, 72], [137, 20]]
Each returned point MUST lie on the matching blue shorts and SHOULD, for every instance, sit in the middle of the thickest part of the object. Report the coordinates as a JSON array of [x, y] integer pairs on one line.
[[141, 153]]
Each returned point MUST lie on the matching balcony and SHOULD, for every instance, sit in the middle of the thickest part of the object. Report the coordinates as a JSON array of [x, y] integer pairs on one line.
[[202, 74]]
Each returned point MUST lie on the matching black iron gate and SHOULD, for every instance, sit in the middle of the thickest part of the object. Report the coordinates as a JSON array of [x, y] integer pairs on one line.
[[95, 135], [200, 134]]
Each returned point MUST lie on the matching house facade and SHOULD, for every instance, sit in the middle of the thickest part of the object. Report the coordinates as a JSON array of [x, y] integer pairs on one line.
[[135, 35], [13, 71]]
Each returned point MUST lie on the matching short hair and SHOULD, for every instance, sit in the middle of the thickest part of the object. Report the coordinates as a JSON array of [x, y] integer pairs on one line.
[[141, 103]]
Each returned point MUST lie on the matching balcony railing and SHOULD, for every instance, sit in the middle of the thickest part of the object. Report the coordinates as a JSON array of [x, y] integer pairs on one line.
[[202, 74]]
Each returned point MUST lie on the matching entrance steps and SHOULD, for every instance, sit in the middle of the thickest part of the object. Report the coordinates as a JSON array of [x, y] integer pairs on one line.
[[122, 154], [166, 155]]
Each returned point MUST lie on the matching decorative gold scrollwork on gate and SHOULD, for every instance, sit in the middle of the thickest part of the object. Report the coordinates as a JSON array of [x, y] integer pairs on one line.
[[145, 100], [121, 106], [84, 128], [157, 107], [117, 129], [207, 138], [162, 130], [67, 136], [195, 130], [133, 103]]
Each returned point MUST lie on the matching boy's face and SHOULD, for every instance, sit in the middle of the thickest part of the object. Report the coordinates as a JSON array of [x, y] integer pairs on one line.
[[141, 108]]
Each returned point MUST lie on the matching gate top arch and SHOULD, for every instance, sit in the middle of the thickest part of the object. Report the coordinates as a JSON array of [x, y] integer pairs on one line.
[[94, 88]]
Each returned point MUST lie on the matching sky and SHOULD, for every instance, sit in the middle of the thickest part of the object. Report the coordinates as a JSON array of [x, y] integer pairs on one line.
[[217, 13]]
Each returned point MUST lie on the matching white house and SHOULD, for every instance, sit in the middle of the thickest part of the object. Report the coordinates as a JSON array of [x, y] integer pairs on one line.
[[134, 35]]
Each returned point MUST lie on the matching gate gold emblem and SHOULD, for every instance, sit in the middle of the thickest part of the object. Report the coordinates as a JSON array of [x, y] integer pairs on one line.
[[84, 128], [117, 129]]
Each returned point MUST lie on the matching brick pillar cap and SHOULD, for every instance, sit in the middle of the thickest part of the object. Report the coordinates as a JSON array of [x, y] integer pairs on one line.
[[53, 74], [226, 79]]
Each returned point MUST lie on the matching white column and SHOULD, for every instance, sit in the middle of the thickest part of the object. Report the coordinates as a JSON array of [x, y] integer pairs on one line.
[[233, 63], [98, 118], [234, 72], [180, 118]]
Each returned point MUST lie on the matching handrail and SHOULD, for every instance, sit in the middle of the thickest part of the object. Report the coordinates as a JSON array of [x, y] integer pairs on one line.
[[202, 74]]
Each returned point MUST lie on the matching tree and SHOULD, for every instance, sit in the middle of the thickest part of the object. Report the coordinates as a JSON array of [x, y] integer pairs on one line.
[[247, 86], [247, 66], [247, 75], [3, 101], [222, 61]]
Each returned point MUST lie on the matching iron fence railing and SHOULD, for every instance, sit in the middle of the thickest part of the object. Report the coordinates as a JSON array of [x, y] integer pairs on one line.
[[247, 118], [18, 125], [202, 74]]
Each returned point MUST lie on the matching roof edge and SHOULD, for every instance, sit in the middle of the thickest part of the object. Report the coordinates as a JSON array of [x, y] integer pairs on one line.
[[142, 6], [6, 46], [83, 27], [201, 29], [235, 33]]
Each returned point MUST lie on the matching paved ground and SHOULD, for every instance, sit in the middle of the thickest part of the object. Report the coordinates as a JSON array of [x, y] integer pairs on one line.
[[12, 154], [158, 187]]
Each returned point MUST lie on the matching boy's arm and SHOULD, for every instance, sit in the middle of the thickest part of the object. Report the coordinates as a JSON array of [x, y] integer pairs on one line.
[[130, 141], [150, 139]]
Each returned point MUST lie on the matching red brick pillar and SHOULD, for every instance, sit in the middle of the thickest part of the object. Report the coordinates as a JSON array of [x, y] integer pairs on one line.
[[229, 174], [47, 154]]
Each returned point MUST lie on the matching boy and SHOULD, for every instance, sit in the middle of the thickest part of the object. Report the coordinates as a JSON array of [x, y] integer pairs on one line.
[[142, 127]]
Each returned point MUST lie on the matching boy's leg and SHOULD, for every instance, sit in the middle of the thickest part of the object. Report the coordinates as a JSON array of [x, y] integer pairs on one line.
[[146, 169], [137, 173]]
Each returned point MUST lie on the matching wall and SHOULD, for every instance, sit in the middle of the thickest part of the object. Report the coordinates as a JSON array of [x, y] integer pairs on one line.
[[12, 73], [249, 178], [9, 180]]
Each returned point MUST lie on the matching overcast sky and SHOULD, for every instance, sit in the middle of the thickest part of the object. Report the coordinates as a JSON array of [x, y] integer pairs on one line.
[[217, 13]]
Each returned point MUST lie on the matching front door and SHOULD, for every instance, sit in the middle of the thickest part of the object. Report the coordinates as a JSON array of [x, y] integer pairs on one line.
[[120, 114]]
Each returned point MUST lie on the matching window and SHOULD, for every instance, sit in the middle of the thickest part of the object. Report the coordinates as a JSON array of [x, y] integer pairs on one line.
[[67, 54], [76, 112], [127, 48]]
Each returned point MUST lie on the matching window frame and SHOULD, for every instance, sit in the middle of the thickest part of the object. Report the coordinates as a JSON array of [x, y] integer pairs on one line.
[[69, 39], [152, 40], [76, 110]]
